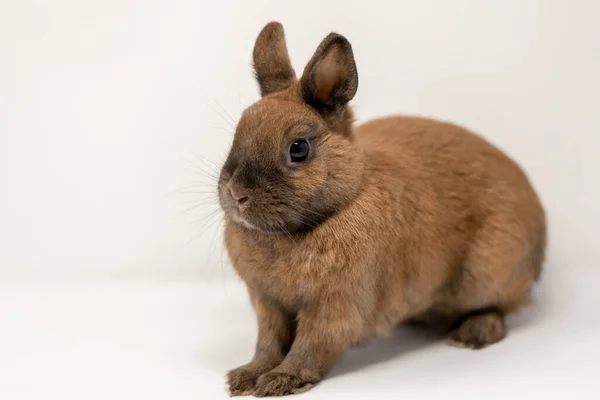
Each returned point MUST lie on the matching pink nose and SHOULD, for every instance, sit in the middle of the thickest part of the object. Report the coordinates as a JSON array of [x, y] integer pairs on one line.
[[238, 196]]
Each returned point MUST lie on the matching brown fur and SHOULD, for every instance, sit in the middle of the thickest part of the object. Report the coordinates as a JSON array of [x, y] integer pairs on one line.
[[399, 219]]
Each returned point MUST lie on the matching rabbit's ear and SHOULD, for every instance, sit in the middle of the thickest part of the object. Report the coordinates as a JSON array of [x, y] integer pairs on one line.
[[330, 79], [272, 64]]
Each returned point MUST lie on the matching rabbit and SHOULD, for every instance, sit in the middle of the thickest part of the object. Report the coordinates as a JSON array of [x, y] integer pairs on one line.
[[342, 232]]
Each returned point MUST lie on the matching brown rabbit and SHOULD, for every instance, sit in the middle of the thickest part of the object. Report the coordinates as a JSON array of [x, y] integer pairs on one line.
[[341, 233]]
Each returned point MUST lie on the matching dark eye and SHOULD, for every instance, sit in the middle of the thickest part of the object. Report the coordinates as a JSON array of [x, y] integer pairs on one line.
[[299, 151]]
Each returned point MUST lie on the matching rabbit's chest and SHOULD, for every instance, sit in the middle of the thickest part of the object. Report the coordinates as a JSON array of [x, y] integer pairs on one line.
[[292, 278], [294, 275]]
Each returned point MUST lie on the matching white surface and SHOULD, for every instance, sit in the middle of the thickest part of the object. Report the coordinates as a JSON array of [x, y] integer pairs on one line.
[[176, 341], [102, 103], [106, 106]]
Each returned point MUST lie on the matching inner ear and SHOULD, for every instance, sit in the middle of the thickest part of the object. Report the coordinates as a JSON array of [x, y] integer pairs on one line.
[[330, 78]]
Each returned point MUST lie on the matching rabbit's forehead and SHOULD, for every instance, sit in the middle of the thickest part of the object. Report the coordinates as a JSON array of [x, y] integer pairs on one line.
[[272, 123]]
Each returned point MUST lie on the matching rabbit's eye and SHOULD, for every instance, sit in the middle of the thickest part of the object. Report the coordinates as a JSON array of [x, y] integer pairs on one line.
[[299, 151]]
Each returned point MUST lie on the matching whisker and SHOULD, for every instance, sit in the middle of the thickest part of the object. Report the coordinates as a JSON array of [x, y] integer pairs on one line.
[[207, 163], [287, 232], [203, 174], [193, 207], [184, 190], [205, 190], [204, 185], [225, 111], [239, 97], [223, 118], [221, 129], [200, 202], [199, 195], [310, 224], [202, 171], [311, 211], [212, 192], [202, 163], [214, 218], [205, 218], [212, 242]]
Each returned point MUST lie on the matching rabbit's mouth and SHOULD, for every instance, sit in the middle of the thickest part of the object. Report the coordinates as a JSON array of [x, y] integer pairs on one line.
[[237, 217]]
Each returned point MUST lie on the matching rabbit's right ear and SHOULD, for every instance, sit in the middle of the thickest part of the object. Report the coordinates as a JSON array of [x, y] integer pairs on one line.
[[272, 64]]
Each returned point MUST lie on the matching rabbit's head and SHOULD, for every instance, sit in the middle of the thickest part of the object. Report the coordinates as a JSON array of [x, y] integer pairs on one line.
[[294, 161]]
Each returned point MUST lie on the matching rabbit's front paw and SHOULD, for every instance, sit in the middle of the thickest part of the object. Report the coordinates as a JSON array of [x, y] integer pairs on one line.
[[280, 384]]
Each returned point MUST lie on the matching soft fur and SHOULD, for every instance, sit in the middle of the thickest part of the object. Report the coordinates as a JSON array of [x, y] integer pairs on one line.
[[396, 220]]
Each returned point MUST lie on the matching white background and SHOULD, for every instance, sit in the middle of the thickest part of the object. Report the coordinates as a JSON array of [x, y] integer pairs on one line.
[[115, 115]]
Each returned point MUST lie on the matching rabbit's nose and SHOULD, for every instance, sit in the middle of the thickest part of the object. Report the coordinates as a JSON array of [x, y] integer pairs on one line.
[[238, 195]]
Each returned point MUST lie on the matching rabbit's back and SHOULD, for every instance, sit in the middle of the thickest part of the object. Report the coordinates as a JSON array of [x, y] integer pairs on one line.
[[448, 166]]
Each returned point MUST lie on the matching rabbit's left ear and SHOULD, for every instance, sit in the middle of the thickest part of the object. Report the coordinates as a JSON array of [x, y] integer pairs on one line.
[[272, 64], [330, 78]]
